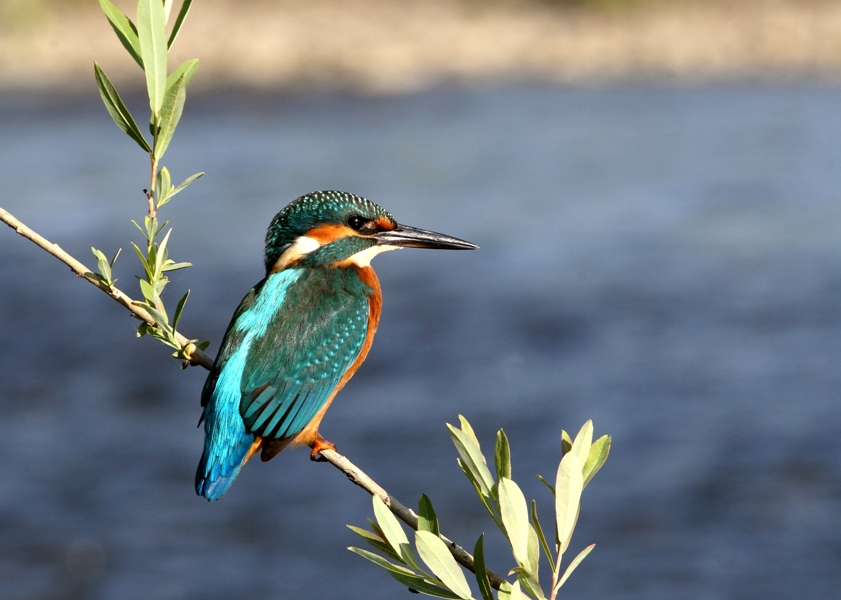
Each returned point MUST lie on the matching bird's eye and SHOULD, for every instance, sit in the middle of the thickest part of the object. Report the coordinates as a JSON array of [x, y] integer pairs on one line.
[[356, 222]]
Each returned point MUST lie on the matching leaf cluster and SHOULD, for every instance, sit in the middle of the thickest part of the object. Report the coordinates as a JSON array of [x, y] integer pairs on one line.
[[441, 576], [148, 43]]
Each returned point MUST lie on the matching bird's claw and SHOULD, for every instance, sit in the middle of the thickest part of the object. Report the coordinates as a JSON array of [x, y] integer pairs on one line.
[[317, 446]]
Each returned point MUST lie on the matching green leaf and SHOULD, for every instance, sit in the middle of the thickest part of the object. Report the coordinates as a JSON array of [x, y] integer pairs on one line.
[[124, 28], [102, 265], [174, 266], [471, 454], [180, 307], [376, 541], [539, 530], [167, 9], [434, 552], [583, 441], [163, 183], [184, 184], [142, 329], [467, 428], [597, 457], [529, 582], [159, 317], [151, 28], [149, 292], [187, 69], [391, 528], [486, 499], [502, 455], [575, 562], [379, 560], [182, 14], [203, 345], [533, 555], [566, 442], [508, 591], [480, 569], [427, 519], [116, 256], [170, 114], [549, 485], [512, 506], [423, 586], [117, 109], [142, 260], [568, 486]]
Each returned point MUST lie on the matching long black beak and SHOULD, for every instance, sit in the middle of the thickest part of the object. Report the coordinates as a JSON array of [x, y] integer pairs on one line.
[[411, 237]]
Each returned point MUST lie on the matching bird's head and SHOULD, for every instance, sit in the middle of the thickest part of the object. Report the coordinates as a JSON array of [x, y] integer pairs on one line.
[[329, 229]]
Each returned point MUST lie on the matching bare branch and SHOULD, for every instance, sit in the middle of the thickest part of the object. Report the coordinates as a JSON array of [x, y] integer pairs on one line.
[[354, 473]]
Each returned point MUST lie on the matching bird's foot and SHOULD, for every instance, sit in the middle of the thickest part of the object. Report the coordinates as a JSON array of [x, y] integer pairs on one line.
[[317, 446]]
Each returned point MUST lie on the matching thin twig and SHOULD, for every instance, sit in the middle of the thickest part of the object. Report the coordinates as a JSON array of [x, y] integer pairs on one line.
[[354, 473], [198, 357]]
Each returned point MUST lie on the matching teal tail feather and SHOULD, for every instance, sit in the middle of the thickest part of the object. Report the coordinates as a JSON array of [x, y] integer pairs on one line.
[[226, 445]]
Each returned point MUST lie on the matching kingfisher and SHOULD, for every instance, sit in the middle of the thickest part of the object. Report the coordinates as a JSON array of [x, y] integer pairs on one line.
[[301, 333]]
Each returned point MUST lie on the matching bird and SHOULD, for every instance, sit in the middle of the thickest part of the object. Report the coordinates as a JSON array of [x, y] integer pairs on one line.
[[301, 333]]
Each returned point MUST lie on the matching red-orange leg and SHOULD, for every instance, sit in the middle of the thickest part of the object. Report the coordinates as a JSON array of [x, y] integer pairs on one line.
[[319, 444]]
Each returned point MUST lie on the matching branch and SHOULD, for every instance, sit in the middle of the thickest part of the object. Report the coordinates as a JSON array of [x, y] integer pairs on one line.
[[198, 357], [354, 473]]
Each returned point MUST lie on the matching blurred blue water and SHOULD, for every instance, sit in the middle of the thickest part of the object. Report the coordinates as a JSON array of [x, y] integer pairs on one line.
[[664, 261]]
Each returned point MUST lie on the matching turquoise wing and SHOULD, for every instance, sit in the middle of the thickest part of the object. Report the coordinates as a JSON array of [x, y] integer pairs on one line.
[[308, 344]]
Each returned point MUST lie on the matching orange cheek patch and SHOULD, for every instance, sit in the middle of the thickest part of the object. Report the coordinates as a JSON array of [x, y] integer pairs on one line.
[[327, 233]]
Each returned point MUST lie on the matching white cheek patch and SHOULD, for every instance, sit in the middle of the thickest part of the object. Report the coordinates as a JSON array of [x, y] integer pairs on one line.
[[363, 259], [299, 248]]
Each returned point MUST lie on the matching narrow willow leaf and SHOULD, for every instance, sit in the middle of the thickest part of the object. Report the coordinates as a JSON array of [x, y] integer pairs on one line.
[[533, 555], [467, 428], [540, 535], [472, 456], [566, 442], [116, 256], [148, 292], [187, 69], [203, 345], [117, 109], [575, 562], [124, 28], [508, 591], [502, 456], [178, 309], [379, 560], [102, 264], [597, 457], [549, 485], [480, 569], [179, 21], [529, 583], [568, 486], [170, 114], [376, 541], [163, 184], [151, 29], [160, 317], [583, 441], [434, 552], [512, 506], [184, 184], [423, 586], [142, 329], [167, 10], [174, 266], [142, 260], [392, 531], [486, 500], [160, 253], [427, 519]]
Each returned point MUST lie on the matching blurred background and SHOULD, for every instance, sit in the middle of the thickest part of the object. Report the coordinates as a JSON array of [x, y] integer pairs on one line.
[[655, 189]]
